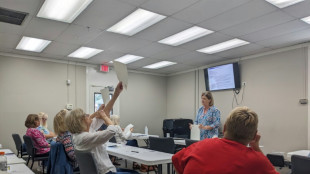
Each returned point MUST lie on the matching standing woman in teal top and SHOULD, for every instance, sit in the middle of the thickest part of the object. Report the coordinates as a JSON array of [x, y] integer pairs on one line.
[[208, 117]]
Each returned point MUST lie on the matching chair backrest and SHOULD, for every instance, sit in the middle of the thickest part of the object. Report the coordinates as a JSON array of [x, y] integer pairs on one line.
[[18, 142], [276, 160], [189, 142], [300, 164], [86, 162], [162, 144], [29, 145]]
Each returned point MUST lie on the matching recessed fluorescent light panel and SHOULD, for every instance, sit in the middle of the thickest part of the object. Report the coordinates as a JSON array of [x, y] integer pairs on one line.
[[185, 36], [32, 44], [62, 10], [85, 53], [306, 19], [283, 3], [128, 58], [135, 22], [223, 46], [159, 65]]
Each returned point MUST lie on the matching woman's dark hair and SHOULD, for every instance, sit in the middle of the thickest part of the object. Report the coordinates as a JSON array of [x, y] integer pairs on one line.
[[30, 120]]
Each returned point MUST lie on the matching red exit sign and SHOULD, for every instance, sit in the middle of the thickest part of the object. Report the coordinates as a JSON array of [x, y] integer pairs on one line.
[[104, 68]]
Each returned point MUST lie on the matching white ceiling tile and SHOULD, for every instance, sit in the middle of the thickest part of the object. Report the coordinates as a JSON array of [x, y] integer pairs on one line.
[[163, 29], [208, 40], [195, 58], [128, 45], [9, 40], [59, 48], [242, 51], [287, 39], [14, 29], [142, 62], [28, 53], [44, 28], [257, 24], [28, 6], [134, 2], [106, 40], [165, 7], [151, 49], [278, 30], [5, 50], [206, 9], [175, 68], [238, 15], [103, 14], [104, 57], [173, 52], [299, 10], [76, 34]]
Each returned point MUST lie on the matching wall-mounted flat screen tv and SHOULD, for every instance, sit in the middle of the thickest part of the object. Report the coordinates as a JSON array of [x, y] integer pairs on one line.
[[222, 77]]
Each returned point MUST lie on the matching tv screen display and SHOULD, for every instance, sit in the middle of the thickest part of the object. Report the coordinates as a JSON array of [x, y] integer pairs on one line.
[[222, 77]]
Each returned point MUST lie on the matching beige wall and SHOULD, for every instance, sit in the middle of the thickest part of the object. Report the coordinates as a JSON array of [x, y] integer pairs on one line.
[[31, 86], [274, 85]]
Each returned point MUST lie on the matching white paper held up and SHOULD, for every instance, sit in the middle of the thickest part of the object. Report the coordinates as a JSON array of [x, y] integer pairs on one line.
[[105, 95], [121, 72], [195, 132]]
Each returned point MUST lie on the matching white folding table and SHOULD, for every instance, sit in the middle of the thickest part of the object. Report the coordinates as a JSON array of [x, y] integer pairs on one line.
[[140, 155], [299, 152]]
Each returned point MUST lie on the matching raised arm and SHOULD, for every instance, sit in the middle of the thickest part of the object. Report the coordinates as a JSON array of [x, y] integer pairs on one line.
[[117, 92]]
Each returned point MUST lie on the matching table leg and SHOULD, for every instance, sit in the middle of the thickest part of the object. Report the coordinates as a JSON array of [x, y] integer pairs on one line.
[[168, 168], [160, 168]]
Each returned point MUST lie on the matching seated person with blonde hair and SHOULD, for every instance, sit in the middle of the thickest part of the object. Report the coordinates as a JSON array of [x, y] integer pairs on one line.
[[65, 137], [229, 154], [43, 127], [121, 137]]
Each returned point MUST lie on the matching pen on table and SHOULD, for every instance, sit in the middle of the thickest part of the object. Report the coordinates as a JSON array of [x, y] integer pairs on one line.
[[135, 151]]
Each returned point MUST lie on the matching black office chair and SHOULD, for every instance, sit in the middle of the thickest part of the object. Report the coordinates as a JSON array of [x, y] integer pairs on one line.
[[163, 145], [189, 142], [19, 145], [86, 162], [300, 164], [278, 160], [31, 150]]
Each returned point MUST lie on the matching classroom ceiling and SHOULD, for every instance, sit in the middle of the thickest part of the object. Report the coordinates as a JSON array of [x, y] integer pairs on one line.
[[264, 25]]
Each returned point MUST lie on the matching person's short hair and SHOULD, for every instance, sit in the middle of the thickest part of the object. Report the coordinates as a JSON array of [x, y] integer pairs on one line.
[[209, 96], [59, 122], [115, 119], [241, 125], [75, 121], [30, 120]]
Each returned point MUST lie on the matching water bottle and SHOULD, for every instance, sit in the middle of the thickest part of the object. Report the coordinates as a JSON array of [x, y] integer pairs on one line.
[[3, 162], [146, 130]]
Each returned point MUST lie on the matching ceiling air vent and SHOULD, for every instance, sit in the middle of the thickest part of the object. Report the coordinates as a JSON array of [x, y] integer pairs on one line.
[[11, 16]]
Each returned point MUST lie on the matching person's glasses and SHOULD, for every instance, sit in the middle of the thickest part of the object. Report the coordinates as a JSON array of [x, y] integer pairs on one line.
[[44, 119]]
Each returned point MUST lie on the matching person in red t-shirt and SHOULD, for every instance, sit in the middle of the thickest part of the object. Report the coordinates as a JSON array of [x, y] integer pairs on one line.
[[229, 155]]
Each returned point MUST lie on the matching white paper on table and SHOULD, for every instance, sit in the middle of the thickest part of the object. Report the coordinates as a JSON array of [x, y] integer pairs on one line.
[[121, 72], [195, 132], [127, 129], [105, 95]]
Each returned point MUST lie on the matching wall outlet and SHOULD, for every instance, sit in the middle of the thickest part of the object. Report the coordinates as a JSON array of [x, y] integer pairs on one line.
[[69, 106], [243, 83]]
